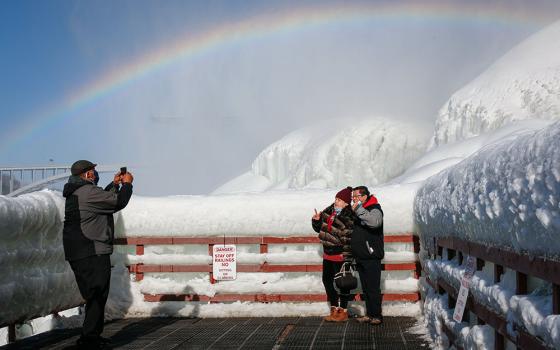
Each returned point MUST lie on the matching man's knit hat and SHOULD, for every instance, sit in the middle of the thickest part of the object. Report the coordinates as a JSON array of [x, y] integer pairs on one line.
[[345, 195], [81, 166]]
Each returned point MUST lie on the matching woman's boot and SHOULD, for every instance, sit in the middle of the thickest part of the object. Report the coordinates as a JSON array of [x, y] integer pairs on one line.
[[341, 315], [331, 317]]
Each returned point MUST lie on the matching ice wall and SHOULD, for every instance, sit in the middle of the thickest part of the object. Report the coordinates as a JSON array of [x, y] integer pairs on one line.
[[523, 84], [35, 279]]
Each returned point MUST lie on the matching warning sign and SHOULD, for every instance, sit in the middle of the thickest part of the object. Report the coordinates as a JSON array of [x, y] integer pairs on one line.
[[224, 262], [470, 268]]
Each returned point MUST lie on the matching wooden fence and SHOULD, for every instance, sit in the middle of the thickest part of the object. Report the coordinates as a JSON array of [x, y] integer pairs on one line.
[[264, 242], [523, 265]]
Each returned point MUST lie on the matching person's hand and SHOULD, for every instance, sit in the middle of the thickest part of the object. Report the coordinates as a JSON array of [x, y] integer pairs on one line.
[[127, 178], [317, 215], [117, 179], [355, 205]]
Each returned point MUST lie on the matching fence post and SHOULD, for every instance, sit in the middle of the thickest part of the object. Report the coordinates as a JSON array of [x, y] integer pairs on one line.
[[211, 253], [555, 299], [11, 333], [520, 283], [139, 251]]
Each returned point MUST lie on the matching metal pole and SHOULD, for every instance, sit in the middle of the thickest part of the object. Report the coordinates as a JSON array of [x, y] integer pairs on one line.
[[11, 182]]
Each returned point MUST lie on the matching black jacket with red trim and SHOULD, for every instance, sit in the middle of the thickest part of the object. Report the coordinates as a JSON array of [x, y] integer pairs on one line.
[[367, 236]]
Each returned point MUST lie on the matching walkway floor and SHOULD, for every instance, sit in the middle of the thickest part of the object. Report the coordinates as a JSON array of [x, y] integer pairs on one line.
[[240, 333]]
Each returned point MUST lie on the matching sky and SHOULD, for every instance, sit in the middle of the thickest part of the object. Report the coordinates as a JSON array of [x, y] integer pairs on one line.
[[187, 93]]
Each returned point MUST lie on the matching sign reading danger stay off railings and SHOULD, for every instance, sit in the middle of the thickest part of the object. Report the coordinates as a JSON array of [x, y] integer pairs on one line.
[[224, 262], [470, 269]]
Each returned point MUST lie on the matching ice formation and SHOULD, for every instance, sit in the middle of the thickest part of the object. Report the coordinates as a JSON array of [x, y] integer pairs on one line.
[[523, 84]]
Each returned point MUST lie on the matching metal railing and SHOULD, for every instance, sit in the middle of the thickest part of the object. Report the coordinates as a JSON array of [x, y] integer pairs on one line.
[[15, 181], [14, 178]]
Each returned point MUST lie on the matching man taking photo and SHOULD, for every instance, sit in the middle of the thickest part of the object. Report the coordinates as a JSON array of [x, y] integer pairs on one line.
[[88, 241]]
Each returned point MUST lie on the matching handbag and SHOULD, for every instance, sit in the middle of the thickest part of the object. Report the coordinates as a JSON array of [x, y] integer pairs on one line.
[[345, 279]]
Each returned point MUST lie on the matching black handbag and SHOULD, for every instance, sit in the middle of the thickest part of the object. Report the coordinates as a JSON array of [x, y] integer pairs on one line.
[[345, 279]]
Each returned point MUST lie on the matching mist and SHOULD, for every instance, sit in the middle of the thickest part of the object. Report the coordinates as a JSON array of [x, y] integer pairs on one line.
[[199, 122]]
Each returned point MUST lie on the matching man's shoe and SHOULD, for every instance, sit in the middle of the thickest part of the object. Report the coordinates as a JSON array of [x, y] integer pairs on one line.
[[105, 341], [363, 319], [98, 343], [375, 321]]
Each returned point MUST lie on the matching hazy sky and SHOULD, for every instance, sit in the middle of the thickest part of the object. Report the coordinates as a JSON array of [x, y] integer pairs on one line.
[[199, 121]]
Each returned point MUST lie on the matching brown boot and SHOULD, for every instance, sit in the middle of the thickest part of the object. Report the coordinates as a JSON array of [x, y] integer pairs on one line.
[[331, 317], [341, 315]]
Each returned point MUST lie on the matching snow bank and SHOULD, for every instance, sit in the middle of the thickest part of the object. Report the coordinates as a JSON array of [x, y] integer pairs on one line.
[[273, 213], [335, 154], [35, 279], [505, 195], [523, 84]]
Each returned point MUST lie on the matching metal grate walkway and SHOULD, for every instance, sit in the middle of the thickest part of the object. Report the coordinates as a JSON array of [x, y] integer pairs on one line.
[[240, 333]]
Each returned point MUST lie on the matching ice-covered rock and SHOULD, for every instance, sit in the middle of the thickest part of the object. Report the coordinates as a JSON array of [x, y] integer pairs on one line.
[[335, 154], [523, 84]]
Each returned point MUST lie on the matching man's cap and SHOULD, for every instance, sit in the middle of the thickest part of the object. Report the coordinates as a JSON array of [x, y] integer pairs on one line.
[[81, 166]]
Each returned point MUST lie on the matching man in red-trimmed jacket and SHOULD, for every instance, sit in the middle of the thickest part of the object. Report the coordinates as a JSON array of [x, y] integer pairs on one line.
[[368, 250]]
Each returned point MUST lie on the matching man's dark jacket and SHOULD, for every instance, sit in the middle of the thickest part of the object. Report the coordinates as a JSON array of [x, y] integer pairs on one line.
[[367, 237], [88, 222]]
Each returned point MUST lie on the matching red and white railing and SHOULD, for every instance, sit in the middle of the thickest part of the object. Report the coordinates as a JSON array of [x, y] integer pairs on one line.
[[140, 269]]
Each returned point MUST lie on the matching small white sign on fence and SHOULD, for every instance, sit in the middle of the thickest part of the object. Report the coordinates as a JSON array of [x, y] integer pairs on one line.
[[224, 262], [464, 291]]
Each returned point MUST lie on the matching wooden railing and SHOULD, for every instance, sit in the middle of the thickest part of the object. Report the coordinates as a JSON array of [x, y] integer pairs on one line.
[[139, 269], [524, 266]]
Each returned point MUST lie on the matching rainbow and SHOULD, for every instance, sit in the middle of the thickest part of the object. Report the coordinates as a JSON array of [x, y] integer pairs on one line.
[[257, 27]]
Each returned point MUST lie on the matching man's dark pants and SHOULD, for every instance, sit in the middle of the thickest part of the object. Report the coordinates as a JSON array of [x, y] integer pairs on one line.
[[370, 278], [93, 275]]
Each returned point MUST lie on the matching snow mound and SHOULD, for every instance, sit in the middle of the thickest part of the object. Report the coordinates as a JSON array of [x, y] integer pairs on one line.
[[35, 279], [272, 213], [523, 84], [335, 154], [504, 195]]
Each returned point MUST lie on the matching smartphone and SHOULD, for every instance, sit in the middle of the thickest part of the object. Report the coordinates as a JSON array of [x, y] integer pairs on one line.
[[123, 170]]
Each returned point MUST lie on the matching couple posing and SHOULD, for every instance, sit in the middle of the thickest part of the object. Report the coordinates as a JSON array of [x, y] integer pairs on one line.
[[352, 229]]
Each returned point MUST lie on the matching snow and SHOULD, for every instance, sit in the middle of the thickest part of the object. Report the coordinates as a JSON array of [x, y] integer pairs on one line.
[[505, 195], [35, 279], [272, 213], [335, 154], [523, 84]]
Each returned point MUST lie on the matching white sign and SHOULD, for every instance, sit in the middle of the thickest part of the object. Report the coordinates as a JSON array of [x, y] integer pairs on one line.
[[224, 262], [464, 291]]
